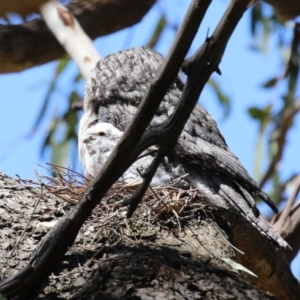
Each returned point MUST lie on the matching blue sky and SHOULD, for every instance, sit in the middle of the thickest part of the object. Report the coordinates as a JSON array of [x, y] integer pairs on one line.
[[243, 72]]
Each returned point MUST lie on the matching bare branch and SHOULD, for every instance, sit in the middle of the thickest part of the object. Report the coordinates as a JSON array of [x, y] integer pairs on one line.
[[136, 198]]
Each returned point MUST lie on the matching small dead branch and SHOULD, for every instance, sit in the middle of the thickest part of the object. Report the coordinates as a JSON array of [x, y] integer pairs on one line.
[[160, 204]]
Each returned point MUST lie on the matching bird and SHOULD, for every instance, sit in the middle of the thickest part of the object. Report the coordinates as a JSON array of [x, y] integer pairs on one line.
[[201, 158]]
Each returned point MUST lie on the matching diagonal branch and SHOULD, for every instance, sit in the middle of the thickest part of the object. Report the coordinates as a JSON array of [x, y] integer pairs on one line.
[[137, 196]]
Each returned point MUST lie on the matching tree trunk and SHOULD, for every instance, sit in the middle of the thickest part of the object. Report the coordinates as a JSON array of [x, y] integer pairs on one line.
[[173, 248]]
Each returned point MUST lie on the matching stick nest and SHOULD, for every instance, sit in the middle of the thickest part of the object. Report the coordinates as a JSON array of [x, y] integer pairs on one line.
[[167, 206]]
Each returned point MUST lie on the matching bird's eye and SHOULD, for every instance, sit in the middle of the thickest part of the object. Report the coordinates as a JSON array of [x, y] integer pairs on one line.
[[101, 133]]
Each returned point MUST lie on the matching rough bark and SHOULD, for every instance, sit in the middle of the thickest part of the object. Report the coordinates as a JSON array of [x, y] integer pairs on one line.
[[117, 259], [31, 43]]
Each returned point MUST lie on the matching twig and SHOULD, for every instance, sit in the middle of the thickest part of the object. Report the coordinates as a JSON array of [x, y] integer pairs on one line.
[[136, 198], [196, 237], [178, 221]]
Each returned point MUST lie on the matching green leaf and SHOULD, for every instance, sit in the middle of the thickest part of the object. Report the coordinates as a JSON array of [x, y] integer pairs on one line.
[[59, 153], [276, 193], [266, 34], [270, 83], [237, 266], [257, 113], [61, 66], [293, 67], [70, 118], [161, 24], [273, 144], [223, 99], [258, 159], [78, 78], [262, 115], [51, 129], [256, 18], [262, 24]]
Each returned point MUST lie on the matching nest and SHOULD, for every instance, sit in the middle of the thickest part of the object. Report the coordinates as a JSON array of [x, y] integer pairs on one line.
[[167, 206]]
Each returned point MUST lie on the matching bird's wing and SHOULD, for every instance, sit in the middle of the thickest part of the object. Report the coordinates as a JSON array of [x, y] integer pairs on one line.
[[195, 150]]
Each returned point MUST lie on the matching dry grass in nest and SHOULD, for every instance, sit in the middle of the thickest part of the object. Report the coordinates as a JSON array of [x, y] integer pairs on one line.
[[168, 205]]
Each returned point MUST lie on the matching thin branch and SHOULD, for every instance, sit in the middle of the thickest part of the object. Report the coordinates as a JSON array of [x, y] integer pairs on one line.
[[136, 198], [198, 68]]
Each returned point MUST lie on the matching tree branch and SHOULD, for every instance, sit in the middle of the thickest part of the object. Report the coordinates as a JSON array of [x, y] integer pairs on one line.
[[32, 43], [138, 195]]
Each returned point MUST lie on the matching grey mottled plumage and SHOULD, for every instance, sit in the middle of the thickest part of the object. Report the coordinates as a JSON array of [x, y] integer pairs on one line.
[[113, 92]]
